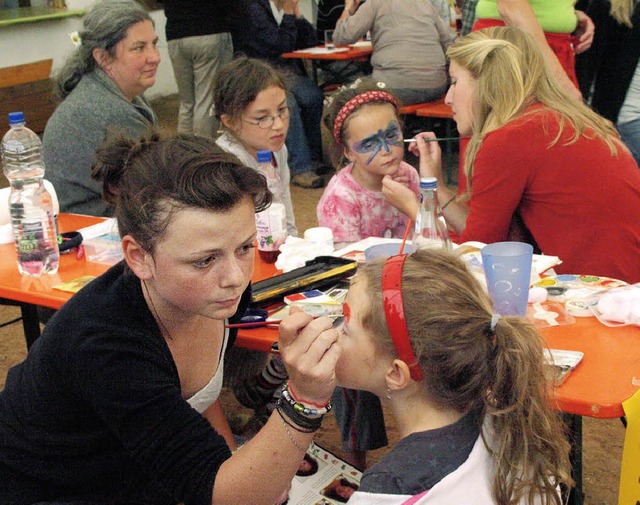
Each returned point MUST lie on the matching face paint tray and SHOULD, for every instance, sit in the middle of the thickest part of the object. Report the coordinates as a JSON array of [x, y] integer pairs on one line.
[[318, 273]]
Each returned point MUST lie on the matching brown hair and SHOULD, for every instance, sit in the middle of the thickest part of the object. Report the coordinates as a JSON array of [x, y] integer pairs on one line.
[[510, 75], [466, 366], [333, 105], [238, 83], [150, 178]]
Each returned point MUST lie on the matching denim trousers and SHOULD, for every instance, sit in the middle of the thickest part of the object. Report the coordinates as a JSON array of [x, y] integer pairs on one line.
[[630, 135], [304, 141]]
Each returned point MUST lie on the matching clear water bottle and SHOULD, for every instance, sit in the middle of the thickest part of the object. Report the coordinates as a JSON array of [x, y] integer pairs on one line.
[[274, 183], [431, 229], [271, 223], [30, 204]]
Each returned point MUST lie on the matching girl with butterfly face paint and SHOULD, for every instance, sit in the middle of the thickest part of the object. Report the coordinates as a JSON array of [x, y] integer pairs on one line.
[[367, 132]]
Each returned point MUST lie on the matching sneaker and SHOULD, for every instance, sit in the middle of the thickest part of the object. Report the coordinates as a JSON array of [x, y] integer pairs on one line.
[[321, 168], [308, 180]]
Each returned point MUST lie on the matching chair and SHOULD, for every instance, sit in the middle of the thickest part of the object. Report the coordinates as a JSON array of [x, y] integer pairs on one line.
[[28, 88], [629, 490]]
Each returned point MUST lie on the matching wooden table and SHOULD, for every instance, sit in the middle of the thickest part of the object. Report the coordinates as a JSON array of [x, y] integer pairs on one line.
[[608, 374], [354, 54]]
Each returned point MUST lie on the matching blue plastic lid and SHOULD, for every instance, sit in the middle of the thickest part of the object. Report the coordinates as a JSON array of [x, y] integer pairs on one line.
[[16, 117], [428, 183], [264, 156]]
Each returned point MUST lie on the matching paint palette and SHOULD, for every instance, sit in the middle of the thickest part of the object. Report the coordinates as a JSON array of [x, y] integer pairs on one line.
[[576, 291]]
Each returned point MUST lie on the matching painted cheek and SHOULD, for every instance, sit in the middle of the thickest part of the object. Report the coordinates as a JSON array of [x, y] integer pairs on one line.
[[346, 312]]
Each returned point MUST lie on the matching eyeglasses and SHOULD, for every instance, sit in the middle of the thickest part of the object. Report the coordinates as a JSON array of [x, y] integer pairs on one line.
[[267, 121]]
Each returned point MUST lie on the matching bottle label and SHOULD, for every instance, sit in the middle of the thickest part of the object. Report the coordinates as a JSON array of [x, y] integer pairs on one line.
[[271, 227]]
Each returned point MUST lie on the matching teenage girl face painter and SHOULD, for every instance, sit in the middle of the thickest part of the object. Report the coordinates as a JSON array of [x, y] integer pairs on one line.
[[374, 143]]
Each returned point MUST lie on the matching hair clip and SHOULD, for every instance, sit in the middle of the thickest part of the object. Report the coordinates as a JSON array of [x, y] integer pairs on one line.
[[75, 38]]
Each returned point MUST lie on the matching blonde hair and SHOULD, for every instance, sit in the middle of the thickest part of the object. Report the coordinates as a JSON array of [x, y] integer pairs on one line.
[[621, 11], [467, 365], [510, 75]]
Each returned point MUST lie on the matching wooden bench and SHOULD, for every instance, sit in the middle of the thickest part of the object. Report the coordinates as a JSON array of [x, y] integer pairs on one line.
[[27, 88]]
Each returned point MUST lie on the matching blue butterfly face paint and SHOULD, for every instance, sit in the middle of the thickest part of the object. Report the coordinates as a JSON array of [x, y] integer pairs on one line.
[[384, 139]]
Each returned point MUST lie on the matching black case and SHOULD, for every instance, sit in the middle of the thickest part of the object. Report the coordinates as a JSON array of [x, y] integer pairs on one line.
[[318, 273]]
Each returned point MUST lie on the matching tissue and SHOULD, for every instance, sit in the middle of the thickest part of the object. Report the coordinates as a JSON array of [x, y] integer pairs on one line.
[[295, 252]]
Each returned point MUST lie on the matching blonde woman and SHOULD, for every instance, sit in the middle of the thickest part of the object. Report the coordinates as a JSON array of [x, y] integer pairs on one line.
[[541, 167], [611, 68]]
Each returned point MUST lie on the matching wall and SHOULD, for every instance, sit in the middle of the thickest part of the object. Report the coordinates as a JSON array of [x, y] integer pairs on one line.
[[50, 39]]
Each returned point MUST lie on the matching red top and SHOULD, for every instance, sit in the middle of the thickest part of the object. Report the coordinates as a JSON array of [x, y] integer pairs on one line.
[[577, 201]]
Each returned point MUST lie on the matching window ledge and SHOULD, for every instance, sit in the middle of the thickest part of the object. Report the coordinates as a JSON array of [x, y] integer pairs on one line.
[[10, 17]]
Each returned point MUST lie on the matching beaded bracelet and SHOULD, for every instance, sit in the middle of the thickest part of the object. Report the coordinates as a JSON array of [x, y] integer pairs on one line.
[[301, 407], [299, 419], [448, 202]]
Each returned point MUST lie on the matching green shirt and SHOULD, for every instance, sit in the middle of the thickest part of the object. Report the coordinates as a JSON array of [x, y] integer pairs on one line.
[[555, 16]]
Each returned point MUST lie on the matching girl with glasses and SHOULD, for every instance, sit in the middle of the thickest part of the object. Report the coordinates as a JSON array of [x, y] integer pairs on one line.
[[250, 102]]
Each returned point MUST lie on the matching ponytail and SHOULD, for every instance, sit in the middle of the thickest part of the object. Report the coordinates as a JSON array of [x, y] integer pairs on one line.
[[528, 441]]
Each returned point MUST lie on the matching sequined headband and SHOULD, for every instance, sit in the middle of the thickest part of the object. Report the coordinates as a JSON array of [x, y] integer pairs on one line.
[[354, 103], [394, 313]]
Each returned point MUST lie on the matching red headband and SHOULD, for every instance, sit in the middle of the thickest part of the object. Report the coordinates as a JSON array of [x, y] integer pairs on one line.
[[354, 103], [394, 312]]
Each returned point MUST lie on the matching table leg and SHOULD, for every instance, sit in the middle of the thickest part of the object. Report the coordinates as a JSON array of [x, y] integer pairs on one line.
[[30, 323], [574, 425]]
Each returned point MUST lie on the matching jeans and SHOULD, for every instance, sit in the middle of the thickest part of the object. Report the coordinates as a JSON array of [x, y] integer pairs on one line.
[[304, 140], [630, 134], [411, 96]]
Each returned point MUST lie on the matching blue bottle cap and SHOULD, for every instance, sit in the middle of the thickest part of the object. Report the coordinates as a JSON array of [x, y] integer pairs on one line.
[[264, 156], [16, 117], [428, 183]]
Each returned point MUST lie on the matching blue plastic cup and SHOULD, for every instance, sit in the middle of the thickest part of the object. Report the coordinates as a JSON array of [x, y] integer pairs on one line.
[[385, 250], [507, 268]]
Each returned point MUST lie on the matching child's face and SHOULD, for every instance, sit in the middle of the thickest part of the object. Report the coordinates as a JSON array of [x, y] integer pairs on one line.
[[269, 102], [374, 139], [361, 365]]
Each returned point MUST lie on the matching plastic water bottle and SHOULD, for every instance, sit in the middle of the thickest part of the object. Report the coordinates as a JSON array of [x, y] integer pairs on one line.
[[274, 183], [30, 204], [271, 223], [431, 229]]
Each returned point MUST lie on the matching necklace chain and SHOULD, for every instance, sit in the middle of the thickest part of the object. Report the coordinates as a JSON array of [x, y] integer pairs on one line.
[[153, 307]]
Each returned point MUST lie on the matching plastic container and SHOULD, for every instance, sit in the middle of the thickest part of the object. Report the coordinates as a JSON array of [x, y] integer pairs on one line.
[[271, 228], [31, 208], [430, 229]]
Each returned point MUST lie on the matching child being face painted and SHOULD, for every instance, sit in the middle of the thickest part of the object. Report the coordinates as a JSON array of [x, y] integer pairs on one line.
[[374, 141]]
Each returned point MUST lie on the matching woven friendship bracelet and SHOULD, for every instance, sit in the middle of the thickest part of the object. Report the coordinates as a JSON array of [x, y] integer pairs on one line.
[[354, 103], [291, 425]]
